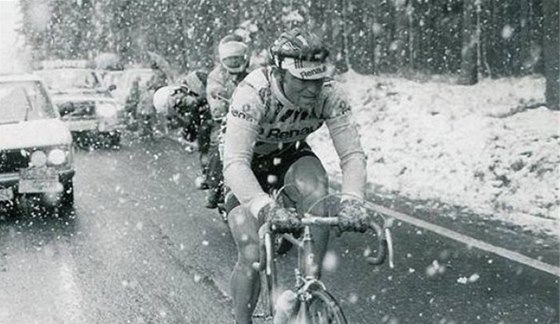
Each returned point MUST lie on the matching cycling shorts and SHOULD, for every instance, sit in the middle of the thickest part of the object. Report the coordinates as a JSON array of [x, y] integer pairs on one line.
[[271, 169]]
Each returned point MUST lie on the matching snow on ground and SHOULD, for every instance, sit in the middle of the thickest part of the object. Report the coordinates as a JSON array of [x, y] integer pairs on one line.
[[469, 146]]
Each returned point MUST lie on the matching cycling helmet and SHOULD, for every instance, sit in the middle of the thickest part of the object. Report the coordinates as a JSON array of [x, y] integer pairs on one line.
[[301, 53], [233, 53], [163, 99]]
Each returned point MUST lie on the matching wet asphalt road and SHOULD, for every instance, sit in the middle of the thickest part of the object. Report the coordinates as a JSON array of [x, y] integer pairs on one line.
[[143, 249]]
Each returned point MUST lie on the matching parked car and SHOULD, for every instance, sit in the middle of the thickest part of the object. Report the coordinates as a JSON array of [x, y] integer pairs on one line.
[[89, 109], [36, 155]]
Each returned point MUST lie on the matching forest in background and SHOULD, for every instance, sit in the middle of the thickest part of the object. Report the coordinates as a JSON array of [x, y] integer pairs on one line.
[[471, 39]]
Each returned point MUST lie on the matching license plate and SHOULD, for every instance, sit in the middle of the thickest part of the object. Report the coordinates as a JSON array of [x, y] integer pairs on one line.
[[6, 194], [36, 180], [81, 125]]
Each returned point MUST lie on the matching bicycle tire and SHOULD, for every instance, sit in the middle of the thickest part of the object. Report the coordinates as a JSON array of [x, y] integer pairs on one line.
[[263, 309], [322, 308], [282, 246]]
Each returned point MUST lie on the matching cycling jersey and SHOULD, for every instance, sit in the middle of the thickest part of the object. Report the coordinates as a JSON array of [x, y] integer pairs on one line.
[[262, 121], [220, 87]]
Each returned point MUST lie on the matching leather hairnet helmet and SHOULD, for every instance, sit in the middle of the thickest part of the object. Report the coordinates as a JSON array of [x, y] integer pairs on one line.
[[298, 44], [233, 46], [163, 99]]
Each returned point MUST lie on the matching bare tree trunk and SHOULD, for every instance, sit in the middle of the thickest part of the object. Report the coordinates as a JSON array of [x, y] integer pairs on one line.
[[469, 52], [411, 50], [551, 53], [400, 37], [344, 33]]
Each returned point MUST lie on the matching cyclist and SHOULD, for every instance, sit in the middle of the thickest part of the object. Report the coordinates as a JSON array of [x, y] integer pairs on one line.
[[272, 112], [233, 67], [185, 106]]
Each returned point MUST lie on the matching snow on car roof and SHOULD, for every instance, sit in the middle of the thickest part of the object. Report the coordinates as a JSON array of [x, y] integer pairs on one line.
[[19, 77], [60, 64]]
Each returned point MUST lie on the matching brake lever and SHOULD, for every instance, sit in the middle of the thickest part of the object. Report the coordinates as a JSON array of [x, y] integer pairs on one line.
[[385, 246], [263, 231]]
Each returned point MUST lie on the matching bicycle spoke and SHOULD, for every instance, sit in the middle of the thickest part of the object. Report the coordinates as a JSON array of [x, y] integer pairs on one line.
[[323, 309]]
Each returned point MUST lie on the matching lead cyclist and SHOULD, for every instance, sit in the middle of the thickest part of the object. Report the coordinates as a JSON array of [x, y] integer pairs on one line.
[[272, 112]]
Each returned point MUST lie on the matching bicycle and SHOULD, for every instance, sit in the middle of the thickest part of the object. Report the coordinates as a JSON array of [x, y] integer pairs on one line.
[[313, 302]]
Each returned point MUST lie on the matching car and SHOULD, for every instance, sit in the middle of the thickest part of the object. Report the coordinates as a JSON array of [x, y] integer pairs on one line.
[[36, 152], [90, 110]]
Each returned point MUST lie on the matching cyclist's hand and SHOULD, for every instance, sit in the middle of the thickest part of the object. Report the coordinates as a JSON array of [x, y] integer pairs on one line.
[[281, 219], [352, 216]]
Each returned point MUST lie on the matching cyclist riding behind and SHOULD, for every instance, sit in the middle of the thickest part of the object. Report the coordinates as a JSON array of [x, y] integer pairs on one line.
[[272, 112], [185, 106], [223, 79]]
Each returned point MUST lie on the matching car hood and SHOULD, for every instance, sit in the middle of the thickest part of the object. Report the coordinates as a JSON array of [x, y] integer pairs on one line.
[[61, 98], [77, 91], [33, 133]]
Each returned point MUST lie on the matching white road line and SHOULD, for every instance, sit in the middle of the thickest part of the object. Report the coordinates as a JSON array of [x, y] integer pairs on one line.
[[69, 297], [481, 245], [514, 256]]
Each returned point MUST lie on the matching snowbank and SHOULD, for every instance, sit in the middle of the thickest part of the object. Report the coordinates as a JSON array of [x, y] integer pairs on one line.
[[472, 146]]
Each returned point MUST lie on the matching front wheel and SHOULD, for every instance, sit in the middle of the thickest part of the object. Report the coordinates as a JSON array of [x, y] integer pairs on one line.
[[321, 308]]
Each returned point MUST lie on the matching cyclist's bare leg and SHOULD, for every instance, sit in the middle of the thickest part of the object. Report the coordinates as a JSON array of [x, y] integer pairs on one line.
[[245, 280], [307, 182]]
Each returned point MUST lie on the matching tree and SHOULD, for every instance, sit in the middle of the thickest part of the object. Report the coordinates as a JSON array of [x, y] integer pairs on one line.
[[551, 53], [469, 52], [401, 36]]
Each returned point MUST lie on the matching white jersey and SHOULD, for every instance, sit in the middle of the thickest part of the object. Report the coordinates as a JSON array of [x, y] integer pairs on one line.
[[261, 120]]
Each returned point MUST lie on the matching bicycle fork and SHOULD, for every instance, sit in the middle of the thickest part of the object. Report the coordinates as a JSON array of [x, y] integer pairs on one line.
[[307, 262]]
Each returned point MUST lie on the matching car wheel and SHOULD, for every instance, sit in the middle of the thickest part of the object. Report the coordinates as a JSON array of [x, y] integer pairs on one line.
[[67, 196], [115, 140]]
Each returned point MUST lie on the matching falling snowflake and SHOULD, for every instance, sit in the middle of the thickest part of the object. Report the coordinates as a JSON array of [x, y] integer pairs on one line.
[[330, 261], [353, 298], [507, 31], [434, 268]]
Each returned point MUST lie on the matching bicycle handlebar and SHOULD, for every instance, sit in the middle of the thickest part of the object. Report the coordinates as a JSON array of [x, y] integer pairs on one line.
[[382, 247], [383, 237]]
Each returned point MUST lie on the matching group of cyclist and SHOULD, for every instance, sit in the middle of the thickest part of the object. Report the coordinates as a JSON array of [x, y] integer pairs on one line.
[[252, 124]]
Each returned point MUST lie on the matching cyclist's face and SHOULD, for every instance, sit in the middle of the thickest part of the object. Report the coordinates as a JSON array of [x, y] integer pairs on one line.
[[303, 93], [234, 62]]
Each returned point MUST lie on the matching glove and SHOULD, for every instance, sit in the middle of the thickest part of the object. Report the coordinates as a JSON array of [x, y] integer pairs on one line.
[[352, 216], [282, 220]]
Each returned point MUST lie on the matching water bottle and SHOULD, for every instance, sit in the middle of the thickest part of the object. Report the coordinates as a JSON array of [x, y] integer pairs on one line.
[[285, 306]]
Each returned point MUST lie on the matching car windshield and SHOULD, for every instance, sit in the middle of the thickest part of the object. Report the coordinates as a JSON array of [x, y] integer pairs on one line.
[[24, 100], [70, 79]]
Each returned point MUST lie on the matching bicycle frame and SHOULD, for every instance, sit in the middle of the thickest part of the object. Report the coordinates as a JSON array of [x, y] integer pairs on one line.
[[305, 273]]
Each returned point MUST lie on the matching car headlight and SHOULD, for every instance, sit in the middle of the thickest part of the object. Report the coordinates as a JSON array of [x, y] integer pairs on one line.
[[57, 157], [38, 158], [106, 110]]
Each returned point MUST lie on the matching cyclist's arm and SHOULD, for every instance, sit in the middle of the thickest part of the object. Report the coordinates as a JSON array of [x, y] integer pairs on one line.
[[216, 96], [346, 140], [240, 137]]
